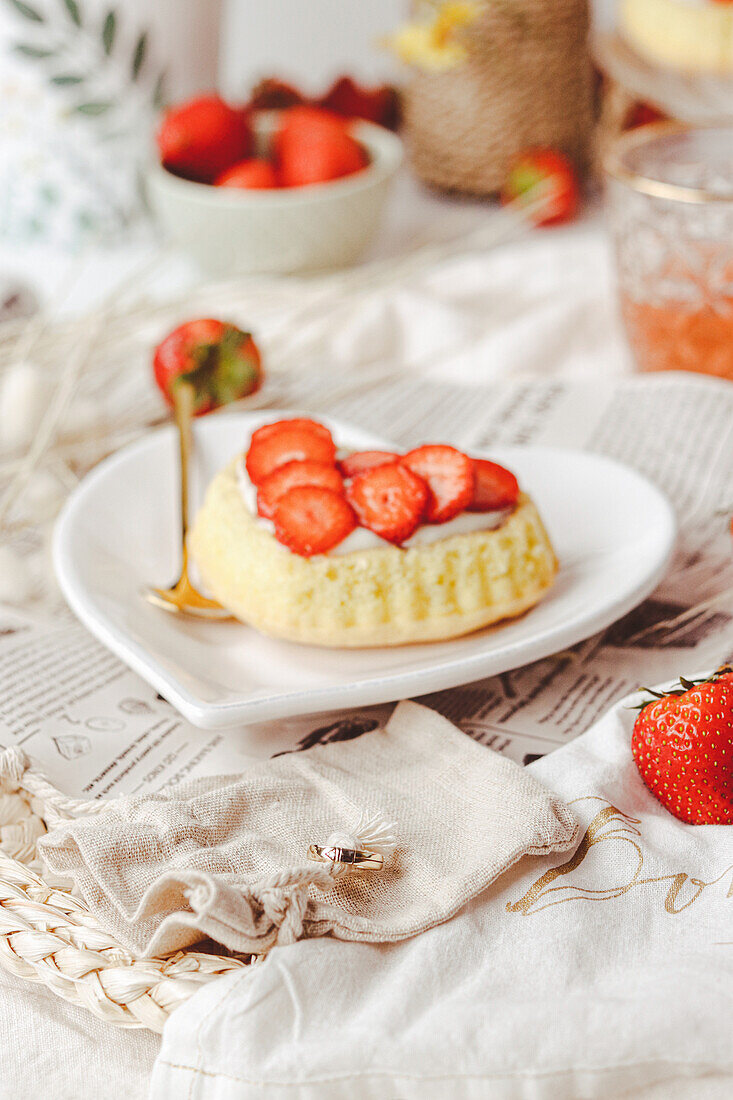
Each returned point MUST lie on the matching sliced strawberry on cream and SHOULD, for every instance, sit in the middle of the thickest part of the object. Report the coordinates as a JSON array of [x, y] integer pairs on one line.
[[292, 475], [449, 475], [303, 422], [290, 443], [431, 493], [495, 487], [389, 500], [312, 520], [359, 461]]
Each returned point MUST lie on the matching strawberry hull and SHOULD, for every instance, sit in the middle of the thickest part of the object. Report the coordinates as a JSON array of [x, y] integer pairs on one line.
[[220, 361]]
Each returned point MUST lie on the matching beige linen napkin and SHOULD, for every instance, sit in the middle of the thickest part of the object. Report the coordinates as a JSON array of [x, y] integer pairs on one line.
[[225, 858]]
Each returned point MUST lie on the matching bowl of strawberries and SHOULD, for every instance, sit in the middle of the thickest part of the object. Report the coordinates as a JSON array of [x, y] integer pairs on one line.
[[278, 191]]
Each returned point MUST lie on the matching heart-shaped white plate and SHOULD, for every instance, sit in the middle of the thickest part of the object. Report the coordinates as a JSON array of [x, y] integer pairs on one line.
[[613, 532]]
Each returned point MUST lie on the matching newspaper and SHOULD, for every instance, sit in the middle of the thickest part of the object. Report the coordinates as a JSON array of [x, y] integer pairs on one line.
[[98, 730]]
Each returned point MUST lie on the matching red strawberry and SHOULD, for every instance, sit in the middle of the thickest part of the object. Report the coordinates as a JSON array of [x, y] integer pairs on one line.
[[549, 167], [201, 138], [312, 520], [450, 477], [389, 500], [360, 461], [683, 747], [297, 422], [495, 487], [218, 359], [313, 146], [288, 444], [253, 174], [304, 118], [291, 475], [346, 97]]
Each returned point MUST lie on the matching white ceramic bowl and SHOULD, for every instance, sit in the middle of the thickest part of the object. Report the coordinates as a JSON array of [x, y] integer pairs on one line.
[[324, 225]]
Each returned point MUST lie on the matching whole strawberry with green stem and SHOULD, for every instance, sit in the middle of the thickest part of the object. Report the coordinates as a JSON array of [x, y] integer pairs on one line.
[[546, 182], [683, 747], [219, 360]]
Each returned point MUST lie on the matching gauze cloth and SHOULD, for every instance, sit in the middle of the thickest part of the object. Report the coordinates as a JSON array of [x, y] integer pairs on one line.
[[598, 974], [225, 858]]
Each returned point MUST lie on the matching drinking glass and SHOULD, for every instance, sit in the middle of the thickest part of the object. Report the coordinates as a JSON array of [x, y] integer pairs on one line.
[[669, 194]]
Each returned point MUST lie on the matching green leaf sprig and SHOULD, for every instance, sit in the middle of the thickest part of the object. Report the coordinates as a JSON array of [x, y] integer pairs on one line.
[[55, 39]]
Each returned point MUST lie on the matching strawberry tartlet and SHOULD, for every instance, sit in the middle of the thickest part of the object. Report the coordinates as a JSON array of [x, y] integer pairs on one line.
[[367, 548]]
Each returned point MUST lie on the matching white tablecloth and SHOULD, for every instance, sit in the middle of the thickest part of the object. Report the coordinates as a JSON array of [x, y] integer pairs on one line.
[[552, 311], [50, 1050]]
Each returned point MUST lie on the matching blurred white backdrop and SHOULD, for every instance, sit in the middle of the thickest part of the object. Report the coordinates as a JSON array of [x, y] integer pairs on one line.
[[309, 41], [313, 41]]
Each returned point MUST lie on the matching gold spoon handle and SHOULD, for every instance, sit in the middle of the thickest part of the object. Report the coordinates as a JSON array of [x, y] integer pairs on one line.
[[183, 596], [183, 403]]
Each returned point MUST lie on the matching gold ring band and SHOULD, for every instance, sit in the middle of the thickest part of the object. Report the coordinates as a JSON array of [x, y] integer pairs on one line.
[[358, 860]]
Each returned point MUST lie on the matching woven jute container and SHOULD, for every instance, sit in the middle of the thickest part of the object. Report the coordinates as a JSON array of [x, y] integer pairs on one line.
[[527, 81]]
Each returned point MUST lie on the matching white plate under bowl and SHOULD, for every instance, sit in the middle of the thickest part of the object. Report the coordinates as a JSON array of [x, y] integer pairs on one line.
[[612, 530]]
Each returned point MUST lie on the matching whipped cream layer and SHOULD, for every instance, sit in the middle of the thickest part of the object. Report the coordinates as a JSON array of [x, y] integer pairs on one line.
[[361, 538]]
